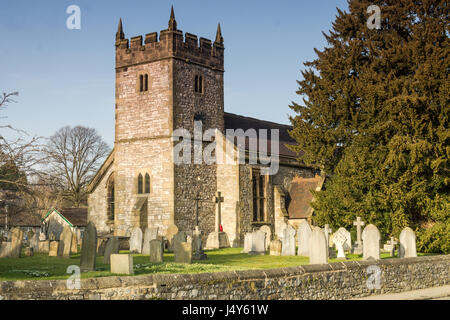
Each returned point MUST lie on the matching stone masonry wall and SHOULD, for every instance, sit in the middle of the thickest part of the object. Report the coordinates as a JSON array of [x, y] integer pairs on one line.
[[342, 280]]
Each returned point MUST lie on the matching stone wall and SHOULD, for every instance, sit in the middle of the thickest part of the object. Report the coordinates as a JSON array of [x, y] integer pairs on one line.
[[343, 280]]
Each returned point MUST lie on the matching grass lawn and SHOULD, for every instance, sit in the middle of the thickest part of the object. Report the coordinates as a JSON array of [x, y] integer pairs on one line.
[[41, 266]]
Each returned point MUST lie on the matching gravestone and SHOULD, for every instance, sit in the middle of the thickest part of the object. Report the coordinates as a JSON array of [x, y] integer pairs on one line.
[[121, 263], [358, 248], [156, 251], [5, 249], [44, 246], [74, 247], [101, 245], [54, 248], [268, 232], [177, 239], [288, 241], [197, 245], [16, 242], [348, 239], [65, 243], [258, 243], [328, 231], [275, 248], [407, 247], [42, 237], [371, 242], [149, 234], [34, 242], [217, 239], [303, 238], [29, 251], [89, 248], [318, 250], [183, 252], [170, 233], [247, 243], [339, 240], [136, 240], [111, 247]]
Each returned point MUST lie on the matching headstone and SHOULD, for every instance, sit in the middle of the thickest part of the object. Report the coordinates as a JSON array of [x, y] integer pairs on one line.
[[89, 248], [170, 233], [407, 247], [180, 237], [358, 248], [74, 247], [65, 243], [156, 251], [275, 248], [258, 243], [328, 235], [149, 234], [268, 232], [34, 242], [183, 253], [390, 246], [44, 246], [136, 240], [42, 237], [348, 239], [111, 247], [318, 247], [5, 249], [247, 243], [121, 263], [339, 240], [288, 241], [54, 247], [303, 238], [16, 242], [371, 242], [217, 239], [197, 245], [29, 251]]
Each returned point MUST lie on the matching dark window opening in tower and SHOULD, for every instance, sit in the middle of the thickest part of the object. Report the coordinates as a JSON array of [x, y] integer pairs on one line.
[[141, 83], [147, 183], [259, 192], [140, 184], [196, 84], [146, 83], [200, 84]]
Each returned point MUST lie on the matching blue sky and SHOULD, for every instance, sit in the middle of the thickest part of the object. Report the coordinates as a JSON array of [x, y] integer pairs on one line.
[[66, 77]]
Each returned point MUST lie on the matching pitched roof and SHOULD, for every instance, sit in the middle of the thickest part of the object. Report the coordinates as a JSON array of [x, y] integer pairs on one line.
[[77, 217], [234, 121]]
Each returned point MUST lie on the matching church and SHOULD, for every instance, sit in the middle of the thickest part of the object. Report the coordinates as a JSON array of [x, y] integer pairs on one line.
[[176, 81]]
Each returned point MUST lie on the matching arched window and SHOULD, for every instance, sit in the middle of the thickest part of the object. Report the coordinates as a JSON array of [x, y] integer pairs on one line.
[[140, 184], [147, 183], [111, 200]]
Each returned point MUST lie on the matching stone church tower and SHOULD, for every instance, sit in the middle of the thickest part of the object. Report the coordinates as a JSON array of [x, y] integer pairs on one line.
[[162, 85]]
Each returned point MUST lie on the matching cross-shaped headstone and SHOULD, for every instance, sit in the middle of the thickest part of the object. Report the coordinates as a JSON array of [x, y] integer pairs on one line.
[[358, 223], [218, 199], [328, 231]]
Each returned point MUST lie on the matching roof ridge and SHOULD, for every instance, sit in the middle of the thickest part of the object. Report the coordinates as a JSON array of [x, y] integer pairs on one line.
[[250, 118]]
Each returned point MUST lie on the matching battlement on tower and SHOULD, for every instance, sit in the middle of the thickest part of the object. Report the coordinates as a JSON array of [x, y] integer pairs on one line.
[[171, 44]]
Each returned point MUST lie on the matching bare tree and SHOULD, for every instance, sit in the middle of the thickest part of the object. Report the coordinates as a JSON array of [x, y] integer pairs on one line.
[[75, 155]]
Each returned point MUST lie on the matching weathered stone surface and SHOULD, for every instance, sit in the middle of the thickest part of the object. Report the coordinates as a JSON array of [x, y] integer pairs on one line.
[[266, 229], [34, 242], [318, 251], [89, 248], [172, 230], [217, 240], [371, 242], [303, 237], [348, 239], [288, 241], [112, 247], [275, 248], [136, 240], [16, 242], [54, 248], [407, 247], [44, 246], [149, 234], [247, 242], [183, 253], [65, 243], [5, 249], [74, 247], [156, 251], [122, 264], [197, 246], [258, 242], [339, 239], [29, 251], [101, 246], [177, 239]]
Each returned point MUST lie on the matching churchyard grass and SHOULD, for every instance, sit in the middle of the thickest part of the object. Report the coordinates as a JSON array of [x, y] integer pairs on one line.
[[42, 267]]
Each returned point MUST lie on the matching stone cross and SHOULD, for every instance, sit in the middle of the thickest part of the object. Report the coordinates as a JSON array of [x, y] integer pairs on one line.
[[218, 199], [358, 223]]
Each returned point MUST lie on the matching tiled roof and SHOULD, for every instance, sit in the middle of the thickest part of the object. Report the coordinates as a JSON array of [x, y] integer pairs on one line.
[[76, 216], [234, 121]]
